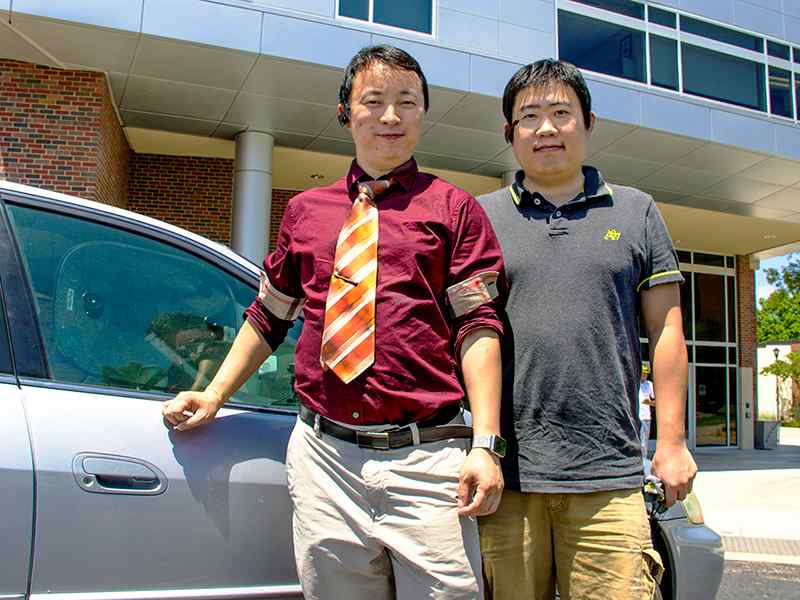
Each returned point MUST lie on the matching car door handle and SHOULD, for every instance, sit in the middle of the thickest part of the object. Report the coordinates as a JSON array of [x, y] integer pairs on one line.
[[109, 474]]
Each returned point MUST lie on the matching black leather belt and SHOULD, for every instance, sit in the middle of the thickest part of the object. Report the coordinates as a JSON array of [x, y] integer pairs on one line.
[[430, 430]]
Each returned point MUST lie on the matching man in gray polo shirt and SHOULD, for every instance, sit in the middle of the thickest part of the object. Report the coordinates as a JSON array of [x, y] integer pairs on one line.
[[583, 260]]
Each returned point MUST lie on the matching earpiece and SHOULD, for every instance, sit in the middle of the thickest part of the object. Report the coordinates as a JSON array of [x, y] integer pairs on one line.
[[343, 114]]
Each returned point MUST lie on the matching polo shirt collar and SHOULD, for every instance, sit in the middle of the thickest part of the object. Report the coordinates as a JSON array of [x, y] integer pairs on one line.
[[594, 187], [404, 175]]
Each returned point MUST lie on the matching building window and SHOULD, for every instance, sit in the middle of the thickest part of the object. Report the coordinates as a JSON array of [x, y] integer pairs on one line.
[[622, 7], [663, 62], [415, 15], [778, 50], [722, 34], [661, 17], [780, 92], [601, 46], [723, 77]]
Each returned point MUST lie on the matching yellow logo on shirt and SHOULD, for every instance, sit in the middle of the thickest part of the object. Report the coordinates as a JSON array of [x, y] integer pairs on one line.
[[612, 234]]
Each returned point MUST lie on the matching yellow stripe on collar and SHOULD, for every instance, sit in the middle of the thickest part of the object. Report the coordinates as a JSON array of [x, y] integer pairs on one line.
[[514, 194]]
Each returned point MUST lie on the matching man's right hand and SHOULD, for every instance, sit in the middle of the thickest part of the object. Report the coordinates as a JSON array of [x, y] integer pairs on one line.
[[188, 410]]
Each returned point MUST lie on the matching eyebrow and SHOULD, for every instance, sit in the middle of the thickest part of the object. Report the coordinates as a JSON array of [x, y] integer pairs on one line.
[[539, 105]]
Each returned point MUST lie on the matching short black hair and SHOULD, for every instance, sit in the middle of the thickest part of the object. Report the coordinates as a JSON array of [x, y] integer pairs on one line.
[[389, 55], [543, 73]]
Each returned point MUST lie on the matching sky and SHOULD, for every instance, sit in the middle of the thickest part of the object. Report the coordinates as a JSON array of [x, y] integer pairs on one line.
[[763, 289]]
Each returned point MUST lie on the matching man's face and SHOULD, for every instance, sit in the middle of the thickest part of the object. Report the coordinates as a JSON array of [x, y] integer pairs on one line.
[[644, 376], [386, 110], [551, 139]]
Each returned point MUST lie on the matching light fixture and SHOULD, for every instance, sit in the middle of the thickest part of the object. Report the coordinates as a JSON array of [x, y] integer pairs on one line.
[[769, 236], [317, 176]]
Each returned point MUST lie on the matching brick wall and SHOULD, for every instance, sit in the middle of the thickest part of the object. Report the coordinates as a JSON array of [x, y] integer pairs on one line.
[[746, 306], [192, 192], [58, 132], [113, 159]]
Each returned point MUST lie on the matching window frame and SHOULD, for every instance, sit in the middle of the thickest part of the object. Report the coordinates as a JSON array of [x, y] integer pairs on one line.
[[649, 27], [127, 224], [389, 29]]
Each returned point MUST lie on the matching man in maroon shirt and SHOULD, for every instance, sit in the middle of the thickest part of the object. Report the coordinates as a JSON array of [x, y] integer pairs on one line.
[[384, 484]]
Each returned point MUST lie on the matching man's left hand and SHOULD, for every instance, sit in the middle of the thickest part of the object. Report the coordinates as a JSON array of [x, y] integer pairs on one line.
[[675, 467], [482, 479]]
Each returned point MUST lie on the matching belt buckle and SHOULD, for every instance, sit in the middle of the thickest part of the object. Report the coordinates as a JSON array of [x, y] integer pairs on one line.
[[374, 440]]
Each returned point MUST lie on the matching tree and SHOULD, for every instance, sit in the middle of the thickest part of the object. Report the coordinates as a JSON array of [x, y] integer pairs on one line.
[[788, 368], [778, 316]]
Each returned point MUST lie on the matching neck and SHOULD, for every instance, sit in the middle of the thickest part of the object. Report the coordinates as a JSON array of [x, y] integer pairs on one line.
[[557, 191], [376, 171]]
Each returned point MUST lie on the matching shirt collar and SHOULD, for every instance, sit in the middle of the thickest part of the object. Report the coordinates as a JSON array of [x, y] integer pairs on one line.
[[404, 175], [594, 187]]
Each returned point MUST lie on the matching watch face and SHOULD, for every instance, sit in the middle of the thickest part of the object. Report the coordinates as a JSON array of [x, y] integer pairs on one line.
[[500, 446]]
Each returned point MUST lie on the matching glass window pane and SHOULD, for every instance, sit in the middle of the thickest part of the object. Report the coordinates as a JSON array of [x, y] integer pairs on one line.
[[709, 307], [601, 46], [733, 407], [686, 305], [722, 34], [796, 55], [711, 399], [710, 354], [778, 50], [622, 7], [780, 92], [663, 62], [732, 356], [410, 14], [684, 256], [723, 77], [121, 310], [662, 17], [357, 9], [644, 349], [712, 260], [732, 310], [6, 365], [729, 262]]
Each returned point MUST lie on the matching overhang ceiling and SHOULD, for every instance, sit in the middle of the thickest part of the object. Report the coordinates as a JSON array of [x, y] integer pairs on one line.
[[714, 197]]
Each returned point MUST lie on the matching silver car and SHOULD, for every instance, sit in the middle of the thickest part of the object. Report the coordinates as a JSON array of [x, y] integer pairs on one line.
[[103, 315]]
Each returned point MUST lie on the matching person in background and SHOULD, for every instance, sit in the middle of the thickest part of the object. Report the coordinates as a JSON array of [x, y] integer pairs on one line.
[[646, 399]]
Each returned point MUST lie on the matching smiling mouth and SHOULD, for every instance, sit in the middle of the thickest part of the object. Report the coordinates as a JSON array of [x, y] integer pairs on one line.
[[548, 148], [390, 136]]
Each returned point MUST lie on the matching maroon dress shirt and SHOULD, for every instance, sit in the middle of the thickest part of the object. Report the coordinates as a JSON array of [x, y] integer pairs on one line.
[[432, 235]]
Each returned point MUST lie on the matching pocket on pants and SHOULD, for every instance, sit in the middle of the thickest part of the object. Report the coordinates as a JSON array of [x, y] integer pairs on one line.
[[653, 570]]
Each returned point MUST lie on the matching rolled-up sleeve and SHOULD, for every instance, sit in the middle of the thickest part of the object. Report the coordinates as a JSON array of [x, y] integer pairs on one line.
[[476, 275], [280, 296], [661, 261]]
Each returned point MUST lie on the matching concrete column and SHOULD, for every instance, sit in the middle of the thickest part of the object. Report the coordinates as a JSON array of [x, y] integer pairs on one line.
[[252, 194], [508, 177]]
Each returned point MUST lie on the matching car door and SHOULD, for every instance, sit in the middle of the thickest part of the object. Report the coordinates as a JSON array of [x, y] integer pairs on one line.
[[128, 314], [16, 473]]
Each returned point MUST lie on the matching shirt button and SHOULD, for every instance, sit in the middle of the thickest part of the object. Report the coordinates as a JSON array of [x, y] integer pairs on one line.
[[356, 415], [536, 201], [558, 213]]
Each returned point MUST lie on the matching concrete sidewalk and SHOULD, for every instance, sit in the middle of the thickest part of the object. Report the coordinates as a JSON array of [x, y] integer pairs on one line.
[[752, 499]]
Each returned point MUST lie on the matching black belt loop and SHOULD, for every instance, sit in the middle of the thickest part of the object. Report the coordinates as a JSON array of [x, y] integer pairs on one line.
[[434, 429]]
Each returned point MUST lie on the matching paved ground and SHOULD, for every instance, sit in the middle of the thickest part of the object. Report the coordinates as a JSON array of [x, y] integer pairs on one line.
[[750, 580], [752, 499]]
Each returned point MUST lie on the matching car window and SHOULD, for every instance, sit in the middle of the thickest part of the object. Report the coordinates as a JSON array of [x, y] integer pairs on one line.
[[122, 310], [6, 365]]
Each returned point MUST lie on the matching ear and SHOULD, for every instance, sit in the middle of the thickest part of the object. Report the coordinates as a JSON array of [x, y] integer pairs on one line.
[[508, 133], [343, 114], [592, 122]]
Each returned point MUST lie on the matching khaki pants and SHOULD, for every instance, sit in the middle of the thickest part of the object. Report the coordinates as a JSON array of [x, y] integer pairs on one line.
[[594, 546], [380, 524]]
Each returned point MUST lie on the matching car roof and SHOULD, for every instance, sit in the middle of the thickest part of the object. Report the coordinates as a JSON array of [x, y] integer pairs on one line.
[[107, 209]]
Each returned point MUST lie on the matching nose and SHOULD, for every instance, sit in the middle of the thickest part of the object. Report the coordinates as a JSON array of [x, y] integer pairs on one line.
[[390, 115], [546, 127]]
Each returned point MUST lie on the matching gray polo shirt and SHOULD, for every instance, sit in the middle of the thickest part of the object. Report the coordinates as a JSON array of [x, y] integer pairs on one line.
[[571, 357]]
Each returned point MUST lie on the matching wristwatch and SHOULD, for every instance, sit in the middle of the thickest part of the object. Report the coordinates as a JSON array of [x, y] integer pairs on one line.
[[493, 443]]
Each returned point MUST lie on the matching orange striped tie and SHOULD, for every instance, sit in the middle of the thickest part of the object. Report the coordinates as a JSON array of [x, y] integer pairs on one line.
[[348, 339]]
